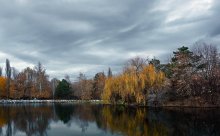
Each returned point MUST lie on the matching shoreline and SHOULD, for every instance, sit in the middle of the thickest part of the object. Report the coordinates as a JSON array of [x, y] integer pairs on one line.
[[103, 103], [50, 101]]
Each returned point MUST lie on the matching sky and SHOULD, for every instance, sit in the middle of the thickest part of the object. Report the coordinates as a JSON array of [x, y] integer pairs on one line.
[[88, 36]]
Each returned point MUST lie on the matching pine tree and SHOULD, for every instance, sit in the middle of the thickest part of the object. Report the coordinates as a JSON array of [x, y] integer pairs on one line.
[[0, 71], [63, 89], [109, 72], [8, 75]]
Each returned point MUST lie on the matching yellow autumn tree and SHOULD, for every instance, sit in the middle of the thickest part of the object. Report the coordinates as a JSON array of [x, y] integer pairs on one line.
[[132, 86], [152, 80]]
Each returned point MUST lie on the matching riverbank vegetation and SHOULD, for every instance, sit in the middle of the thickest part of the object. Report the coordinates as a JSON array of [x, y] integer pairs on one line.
[[191, 77]]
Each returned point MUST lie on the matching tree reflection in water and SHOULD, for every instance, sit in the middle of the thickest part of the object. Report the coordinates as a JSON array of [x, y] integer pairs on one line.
[[64, 112], [32, 119]]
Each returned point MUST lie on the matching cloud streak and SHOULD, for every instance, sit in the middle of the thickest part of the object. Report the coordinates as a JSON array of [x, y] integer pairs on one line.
[[72, 36]]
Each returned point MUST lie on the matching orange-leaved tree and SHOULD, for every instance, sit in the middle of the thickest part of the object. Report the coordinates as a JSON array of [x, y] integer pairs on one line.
[[3, 93]]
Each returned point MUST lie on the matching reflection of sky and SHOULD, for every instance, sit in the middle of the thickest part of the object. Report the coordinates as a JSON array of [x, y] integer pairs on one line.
[[58, 129], [74, 128], [17, 132]]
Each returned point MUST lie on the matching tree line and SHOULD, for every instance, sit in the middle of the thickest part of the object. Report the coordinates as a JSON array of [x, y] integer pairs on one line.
[[27, 84], [190, 74]]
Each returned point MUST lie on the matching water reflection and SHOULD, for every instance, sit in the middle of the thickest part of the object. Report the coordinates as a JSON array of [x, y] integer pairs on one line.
[[99, 120]]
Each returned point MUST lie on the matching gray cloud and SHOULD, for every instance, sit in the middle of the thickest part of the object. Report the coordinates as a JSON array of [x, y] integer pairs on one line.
[[69, 36]]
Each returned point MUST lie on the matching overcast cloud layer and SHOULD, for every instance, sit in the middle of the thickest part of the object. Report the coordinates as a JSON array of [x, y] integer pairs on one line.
[[72, 36]]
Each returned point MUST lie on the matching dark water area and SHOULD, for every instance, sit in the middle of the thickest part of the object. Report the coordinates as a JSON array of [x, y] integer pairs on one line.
[[105, 120]]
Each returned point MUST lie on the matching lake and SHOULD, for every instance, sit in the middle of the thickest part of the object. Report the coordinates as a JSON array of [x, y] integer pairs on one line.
[[106, 120]]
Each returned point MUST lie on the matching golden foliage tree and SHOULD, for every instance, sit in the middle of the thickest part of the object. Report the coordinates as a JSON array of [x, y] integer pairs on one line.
[[133, 85]]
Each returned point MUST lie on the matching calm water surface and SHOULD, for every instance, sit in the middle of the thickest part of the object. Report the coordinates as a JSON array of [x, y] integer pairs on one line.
[[99, 120]]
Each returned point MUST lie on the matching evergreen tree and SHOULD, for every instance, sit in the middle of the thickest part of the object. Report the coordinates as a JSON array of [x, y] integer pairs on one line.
[[156, 63], [63, 89], [8, 75], [181, 67], [109, 72], [0, 71]]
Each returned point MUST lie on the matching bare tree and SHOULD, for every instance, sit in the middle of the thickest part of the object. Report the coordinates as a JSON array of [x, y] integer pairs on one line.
[[83, 89], [67, 78], [29, 73], [208, 70], [40, 76], [209, 57], [14, 72], [98, 85], [54, 84], [136, 63]]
